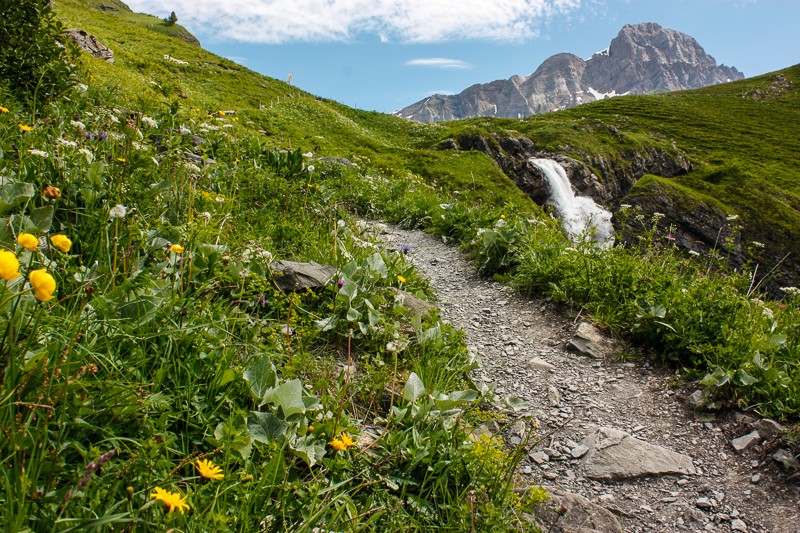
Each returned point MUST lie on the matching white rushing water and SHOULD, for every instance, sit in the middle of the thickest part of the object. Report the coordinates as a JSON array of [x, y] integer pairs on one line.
[[580, 216]]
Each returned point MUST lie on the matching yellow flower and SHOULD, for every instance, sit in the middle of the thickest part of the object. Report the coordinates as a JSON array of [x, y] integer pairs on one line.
[[3, 109], [52, 193], [61, 242], [44, 285], [310, 429], [23, 127], [209, 470], [503, 217], [347, 441], [26, 240], [122, 160], [9, 266], [176, 248], [171, 499], [401, 279], [342, 442], [337, 444]]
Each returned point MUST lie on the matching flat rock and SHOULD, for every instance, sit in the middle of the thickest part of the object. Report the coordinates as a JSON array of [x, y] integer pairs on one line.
[[615, 455], [745, 442], [787, 459], [88, 43], [292, 276], [581, 515], [537, 363], [768, 428], [588, 340]]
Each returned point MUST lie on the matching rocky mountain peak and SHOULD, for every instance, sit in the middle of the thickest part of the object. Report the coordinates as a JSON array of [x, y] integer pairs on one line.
[[642, 58]]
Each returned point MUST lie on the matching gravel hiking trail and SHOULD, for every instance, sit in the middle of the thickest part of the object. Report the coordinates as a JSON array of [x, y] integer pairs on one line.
[[522, 343]]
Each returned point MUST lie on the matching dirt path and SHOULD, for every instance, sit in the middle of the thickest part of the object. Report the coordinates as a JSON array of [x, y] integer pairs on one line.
[[729, 492]]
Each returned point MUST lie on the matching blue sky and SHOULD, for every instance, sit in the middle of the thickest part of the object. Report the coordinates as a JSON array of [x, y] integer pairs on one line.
[[383, 55]]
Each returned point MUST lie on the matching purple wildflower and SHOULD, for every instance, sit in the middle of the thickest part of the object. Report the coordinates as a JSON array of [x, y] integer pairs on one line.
[[406, 248]]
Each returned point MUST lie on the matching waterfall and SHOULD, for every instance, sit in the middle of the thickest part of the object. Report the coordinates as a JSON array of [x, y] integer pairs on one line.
[[580, 216]]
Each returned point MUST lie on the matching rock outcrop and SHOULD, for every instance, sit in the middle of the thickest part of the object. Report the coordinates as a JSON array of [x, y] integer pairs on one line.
[[642, 58]]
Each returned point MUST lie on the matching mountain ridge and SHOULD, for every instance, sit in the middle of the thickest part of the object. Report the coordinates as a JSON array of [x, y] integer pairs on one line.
[[643, 58]]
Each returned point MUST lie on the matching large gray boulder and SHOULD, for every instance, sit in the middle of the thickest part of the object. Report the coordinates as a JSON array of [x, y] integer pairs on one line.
[[615, 455], [292, 276], [88, 43], [569, 513], [588, 340]]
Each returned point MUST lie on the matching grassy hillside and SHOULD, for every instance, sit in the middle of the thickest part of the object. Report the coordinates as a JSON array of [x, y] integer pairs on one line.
[[156, 374]]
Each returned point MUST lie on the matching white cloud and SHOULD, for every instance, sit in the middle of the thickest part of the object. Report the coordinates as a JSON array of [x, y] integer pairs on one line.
[[437, 62], [408, 21]]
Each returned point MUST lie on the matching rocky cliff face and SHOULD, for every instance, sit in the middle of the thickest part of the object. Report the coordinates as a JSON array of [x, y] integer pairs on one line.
[[642, 58]]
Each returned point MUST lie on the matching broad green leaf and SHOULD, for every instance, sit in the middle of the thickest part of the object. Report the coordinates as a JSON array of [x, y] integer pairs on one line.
[[289, 397], [261, 376], [309, 449], [266, 427], [13, 195], [353, 314], [327, 324], [414, 388], [454, 399], [41, 219], [348, 290], [377, 265], [746, 378]]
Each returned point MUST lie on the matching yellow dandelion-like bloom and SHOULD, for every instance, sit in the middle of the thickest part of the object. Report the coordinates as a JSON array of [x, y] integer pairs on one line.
[[173, 500], [208, 470], [347, 441], [25, 127], [3, 109], [9, 265], [62, 242], [401, 279], [337, 444], [122, 160], [176, 248], [342, 442], [44, 285], [310, 429], [26, 240], [503, 217]]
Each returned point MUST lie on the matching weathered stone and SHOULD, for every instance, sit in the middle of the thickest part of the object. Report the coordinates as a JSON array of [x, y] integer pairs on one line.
[[339, 161], [768, 428], [579, 451], [588, 340], [696, 400], [745, 442], [539, 457], [292, 276], [570, 513], [88, 43], [416, 305], [704, 503], [537, 363], [614, 455], [553, 396], [738, 525]]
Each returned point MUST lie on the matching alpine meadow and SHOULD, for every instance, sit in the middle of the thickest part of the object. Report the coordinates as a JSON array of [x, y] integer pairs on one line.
[[161, 369]]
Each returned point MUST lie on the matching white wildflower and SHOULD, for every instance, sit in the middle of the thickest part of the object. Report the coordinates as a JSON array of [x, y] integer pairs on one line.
[[731, 218], [64, 142], [767, 313], [113, 119], [82, 87], [308, 155], [40, 153], [185, 131], [657, 215], [89, 155], [625, 206], [694, 253], [311, 168], [118, 211], [149, 122], [791, 291], [758, 244], [77, 124], [206, 216]]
